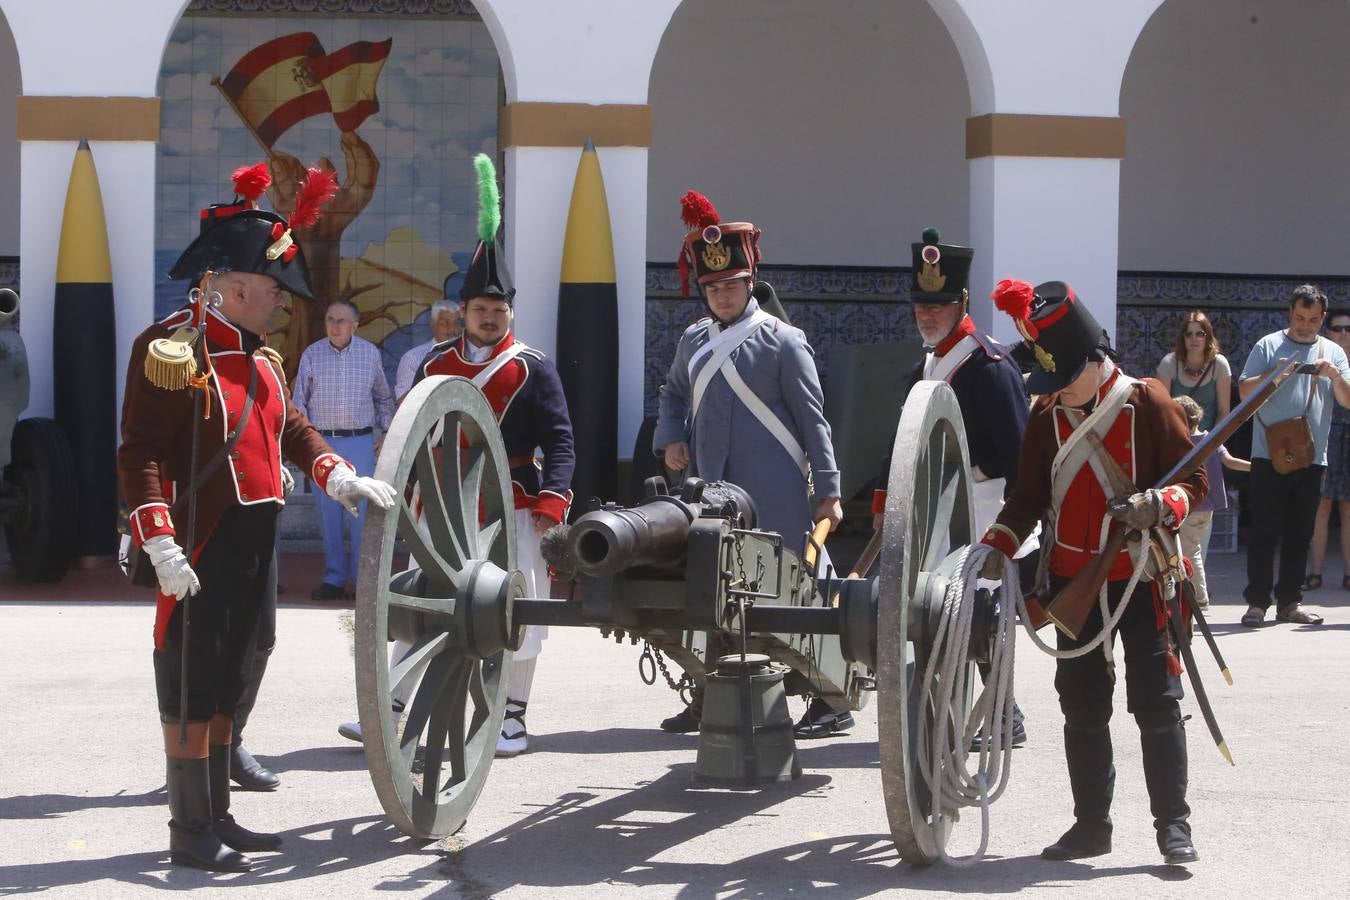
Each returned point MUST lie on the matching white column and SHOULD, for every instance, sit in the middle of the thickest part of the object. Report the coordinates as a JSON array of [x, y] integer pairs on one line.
[[1043, 219]]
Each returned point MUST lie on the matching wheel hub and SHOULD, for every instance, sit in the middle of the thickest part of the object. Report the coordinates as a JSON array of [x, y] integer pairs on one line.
[[488, 599]]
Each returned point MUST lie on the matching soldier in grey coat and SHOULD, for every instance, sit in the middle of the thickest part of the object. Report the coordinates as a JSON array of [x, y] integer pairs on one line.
[[742, 401]]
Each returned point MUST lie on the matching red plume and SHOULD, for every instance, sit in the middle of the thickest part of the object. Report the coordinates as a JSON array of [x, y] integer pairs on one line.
[[1014, 297], [251, 181], [318, 189], [697, 211]]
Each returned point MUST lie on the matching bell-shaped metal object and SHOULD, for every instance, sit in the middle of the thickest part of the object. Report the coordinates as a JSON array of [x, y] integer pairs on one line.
[[746, 734]]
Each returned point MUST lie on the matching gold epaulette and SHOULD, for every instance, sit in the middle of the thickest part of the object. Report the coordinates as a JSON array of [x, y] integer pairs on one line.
[[170, 363]]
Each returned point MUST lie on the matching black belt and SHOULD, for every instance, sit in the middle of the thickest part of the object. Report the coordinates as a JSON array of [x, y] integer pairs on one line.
[[345, 432]]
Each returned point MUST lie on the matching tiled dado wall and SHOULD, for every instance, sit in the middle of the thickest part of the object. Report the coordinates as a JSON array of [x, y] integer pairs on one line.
[[854, 306]]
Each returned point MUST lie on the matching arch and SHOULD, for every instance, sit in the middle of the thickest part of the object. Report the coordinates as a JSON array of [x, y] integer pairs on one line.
[[974, 56]]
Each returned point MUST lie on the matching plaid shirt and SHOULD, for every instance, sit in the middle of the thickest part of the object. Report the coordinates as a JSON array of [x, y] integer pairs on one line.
[[339, 389]]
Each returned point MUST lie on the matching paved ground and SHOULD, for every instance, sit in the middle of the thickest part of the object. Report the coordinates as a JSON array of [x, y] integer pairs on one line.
[[602, 805]]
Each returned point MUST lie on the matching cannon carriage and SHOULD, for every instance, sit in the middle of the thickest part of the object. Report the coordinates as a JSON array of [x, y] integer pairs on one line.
[[687, 572]]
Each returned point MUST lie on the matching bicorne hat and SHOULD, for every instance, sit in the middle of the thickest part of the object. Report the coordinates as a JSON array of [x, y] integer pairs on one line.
[[1061, 332], [487, 275], [715, 250], [238, 237], [941, 271]]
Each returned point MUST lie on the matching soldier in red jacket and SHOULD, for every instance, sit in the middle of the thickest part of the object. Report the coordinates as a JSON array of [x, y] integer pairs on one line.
[[1095, 434], [243, 261]]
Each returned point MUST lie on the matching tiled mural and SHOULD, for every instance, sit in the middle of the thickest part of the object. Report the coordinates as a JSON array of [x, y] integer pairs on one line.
[[397, 105]]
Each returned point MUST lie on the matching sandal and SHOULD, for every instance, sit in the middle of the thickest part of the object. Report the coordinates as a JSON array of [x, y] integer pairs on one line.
[[1297, 615], [1313, 582], [1253, 617]]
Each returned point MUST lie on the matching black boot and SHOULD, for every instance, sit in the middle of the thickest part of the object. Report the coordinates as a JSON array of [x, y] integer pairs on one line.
[[1162, 738], [1092, 778], [224, 825], [822, 720], [690, 718], [192, 842], [246, 771]]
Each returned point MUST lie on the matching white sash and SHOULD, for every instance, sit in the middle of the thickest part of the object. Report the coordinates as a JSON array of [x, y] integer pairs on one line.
[[720, 345], [942, 368], [719, 349], [482, 378], [1076, 451]]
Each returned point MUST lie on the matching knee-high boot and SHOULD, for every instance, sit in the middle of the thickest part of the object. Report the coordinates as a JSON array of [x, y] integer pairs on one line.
[[192, 840], [1092, 778], [250, 774], [224, 825], [1162, 738]]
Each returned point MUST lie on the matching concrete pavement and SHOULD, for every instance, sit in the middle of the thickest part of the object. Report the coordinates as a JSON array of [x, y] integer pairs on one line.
[[602, 806]]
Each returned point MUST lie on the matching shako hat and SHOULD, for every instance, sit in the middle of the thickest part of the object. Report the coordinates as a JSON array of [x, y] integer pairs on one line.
[[941, 271], [238, 237], [1060, 330], [716, 250], [487, 275]]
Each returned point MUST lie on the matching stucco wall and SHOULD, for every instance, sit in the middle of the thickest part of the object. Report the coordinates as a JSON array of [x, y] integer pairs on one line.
[[1238, 139], [838, 128]]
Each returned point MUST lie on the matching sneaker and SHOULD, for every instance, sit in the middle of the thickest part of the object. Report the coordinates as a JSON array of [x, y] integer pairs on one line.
[[1253, 617], [326, 592], [514, 738], [822, 720], [351, 731], [686, 721], [1019, 737]]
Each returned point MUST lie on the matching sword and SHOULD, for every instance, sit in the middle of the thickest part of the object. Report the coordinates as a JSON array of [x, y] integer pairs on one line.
[[1204, 630], [1197, 687]]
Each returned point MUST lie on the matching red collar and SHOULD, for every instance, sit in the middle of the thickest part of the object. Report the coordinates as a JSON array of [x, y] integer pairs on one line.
[[963, 328], [1106, 385], [497, 350]]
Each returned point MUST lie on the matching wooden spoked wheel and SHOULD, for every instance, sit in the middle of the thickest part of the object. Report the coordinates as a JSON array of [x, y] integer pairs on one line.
[[929, 514], [451, 605]]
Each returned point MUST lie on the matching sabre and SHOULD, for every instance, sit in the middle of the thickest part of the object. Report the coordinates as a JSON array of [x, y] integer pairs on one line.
[[1209, 635], [1198, 687]]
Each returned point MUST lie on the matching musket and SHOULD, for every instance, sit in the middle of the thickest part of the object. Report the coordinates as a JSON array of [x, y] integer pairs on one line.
[[1197, 687], [1070, 608]]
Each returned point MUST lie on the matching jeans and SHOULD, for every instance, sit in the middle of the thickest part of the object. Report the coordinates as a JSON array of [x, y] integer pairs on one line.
[[342, 553], [1282, 511]]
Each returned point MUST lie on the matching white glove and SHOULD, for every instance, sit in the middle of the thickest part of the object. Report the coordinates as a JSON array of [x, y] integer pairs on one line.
[[287, 481], [349, 489], [175, 575]]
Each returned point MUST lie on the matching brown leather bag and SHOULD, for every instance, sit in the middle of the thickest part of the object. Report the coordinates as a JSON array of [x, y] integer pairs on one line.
[[1290, 441]]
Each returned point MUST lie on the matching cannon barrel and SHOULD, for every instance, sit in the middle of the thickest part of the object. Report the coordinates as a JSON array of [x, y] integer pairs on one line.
[[607, 541], [9, 307]]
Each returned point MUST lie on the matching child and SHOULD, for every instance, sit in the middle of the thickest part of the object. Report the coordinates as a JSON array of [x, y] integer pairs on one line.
[[1195, 530]]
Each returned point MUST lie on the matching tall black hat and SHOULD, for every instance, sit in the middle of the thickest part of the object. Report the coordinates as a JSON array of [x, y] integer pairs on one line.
[[236, 237], [715, 249], [487, 275], [941, 271], [1060, 330]]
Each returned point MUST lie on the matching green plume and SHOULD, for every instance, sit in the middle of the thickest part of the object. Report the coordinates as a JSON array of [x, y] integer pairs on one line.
[[931, 236], [489, 200]]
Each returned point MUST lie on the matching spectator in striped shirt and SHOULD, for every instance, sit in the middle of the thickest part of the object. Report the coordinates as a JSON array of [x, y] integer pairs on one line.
[[341, 387]]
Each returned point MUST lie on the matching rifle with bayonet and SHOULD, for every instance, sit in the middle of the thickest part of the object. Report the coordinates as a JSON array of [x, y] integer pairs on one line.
[[1070, 608]]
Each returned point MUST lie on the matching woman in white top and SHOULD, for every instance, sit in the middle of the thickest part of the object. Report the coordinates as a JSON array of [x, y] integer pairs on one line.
[[1195, 368]]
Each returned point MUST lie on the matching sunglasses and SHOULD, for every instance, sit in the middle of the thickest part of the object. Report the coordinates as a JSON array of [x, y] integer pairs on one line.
[[1203, 334], [1338, 328]]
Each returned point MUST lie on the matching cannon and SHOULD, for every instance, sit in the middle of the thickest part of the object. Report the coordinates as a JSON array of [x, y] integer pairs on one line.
[[38, 498], [688, 572]]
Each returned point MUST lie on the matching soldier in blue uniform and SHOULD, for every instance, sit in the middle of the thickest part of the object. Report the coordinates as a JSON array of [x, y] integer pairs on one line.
[[742, 402]]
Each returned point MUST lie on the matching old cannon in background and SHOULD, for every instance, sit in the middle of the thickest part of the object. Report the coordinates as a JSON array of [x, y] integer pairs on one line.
[[38, 499], [672, 571]]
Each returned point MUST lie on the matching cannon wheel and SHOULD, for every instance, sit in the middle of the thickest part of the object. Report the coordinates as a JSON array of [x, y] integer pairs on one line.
[[428, 774], [41, 475], [928, 512]]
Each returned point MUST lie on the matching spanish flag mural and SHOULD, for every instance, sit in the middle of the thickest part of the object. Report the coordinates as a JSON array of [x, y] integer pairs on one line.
[[394, 106]]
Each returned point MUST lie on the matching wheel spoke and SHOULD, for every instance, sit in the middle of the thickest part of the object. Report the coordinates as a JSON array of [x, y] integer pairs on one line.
[[423, 705], [406, 670], [455, 738], [438, 728], [435, 513], [478, 693], [488, 536], [471, 492], [433, 565], [452, 477], [441, 606]]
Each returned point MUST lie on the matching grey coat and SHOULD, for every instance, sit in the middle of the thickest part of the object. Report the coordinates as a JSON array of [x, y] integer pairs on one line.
[[728, 443]]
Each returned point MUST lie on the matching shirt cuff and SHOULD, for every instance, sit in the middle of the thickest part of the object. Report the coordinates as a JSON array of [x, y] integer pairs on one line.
[[825, 483], [552, 506], [1178, 504], [1001, 538], [324, 466], [150, 520]]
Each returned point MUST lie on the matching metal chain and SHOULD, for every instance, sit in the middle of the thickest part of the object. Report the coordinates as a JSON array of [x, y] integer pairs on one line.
[[653, 660]]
